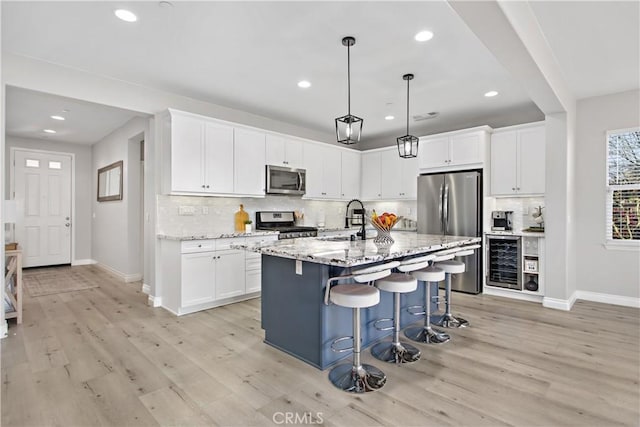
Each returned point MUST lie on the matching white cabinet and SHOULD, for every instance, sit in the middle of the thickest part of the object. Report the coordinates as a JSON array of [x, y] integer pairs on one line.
[[387, 176], [229, 281], [284, 151], [517, 161], [200, 274], [198, 271], [249, 161], [323, 165], [201, 156], [370, 183], [441, 152], [350, 176]]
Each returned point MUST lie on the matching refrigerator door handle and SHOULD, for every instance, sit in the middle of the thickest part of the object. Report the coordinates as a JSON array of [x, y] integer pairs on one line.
[[445, 203], [440, 207]]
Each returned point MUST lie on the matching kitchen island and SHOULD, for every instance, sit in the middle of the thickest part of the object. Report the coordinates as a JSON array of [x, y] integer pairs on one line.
[[294, 275]]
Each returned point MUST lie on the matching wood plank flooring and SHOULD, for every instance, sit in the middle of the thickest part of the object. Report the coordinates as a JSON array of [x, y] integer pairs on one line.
[[103, 357]]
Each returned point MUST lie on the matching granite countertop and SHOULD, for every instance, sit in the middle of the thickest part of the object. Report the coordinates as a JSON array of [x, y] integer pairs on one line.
[[217, 235], [358, 252]]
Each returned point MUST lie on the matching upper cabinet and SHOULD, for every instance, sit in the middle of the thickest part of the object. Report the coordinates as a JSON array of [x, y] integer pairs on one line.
[[517, 161], [452, 150], [351, 169], [249, 161], [203, 156], [202, 161], [323, 165], [284, 151], [385, 176]]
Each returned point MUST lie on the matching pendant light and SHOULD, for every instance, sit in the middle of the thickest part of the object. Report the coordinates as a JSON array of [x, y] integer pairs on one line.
[[349, 127], [407, 144]]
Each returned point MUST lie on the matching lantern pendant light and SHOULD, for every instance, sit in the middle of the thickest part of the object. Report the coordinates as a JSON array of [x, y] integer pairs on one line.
[[407, 144], [349, 127]]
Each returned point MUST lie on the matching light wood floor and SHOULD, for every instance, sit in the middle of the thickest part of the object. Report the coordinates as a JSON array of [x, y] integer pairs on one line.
[[103, 357]]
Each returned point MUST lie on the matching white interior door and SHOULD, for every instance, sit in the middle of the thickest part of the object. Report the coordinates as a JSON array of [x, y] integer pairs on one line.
[[42, 190]]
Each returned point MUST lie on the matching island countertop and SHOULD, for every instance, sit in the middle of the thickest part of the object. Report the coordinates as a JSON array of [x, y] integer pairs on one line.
[[358, 252]]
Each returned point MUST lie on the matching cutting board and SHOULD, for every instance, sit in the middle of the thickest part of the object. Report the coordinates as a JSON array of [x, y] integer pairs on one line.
[[240, 217]]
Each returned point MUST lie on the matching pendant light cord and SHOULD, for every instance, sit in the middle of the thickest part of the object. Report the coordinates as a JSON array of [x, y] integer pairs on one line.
[[349, 79], [408, 106]]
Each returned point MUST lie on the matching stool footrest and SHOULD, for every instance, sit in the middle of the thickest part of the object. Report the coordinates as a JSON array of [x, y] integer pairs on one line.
[[387, 328], [339, 340], [411, 309]]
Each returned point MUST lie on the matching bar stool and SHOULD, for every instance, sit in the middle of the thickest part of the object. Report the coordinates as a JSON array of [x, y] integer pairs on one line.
[[398, 283], [450, 267], [357, 377], [429, 275]]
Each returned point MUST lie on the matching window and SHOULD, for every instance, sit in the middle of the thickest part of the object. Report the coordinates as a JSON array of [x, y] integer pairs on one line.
[[623, 187], [55, 165], [31, 163]]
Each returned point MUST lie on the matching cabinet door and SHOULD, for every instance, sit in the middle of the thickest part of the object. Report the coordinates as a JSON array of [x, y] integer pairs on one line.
[[218, 158], [331, 172], [531, 167], [254, 281], [390, 174], [313, 155], [503, 163], [293, 150], [409, 175], [249, 162], [350, 175], [466, 149], [370, 185], [187, 164], [198, 278], [275, 150], [433, 152], [230, 277]]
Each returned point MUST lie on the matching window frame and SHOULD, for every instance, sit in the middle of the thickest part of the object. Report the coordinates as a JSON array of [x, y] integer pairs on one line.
[[610, 242]]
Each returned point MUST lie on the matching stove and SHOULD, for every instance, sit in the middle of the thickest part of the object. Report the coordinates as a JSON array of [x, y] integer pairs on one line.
[[284, 222]]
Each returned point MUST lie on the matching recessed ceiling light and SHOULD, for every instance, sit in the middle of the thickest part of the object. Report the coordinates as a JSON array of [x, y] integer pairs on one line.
[[49, 130], [304, 84], [165, 4], [424, 36], [389, 117], [491, 93], [57, 117], [126, 15]]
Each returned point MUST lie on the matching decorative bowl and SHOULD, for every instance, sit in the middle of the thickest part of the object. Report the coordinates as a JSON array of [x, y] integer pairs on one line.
[[384, 239]]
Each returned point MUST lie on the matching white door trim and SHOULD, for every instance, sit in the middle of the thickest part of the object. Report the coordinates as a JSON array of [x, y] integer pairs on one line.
[[12, 187]]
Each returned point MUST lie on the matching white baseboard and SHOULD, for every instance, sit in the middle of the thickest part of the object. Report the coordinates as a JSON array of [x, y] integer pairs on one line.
[[146, 289], [560, 304], [83, 262], [127, 278], [4, 329], [156, 302], [512, 294], [608, 299]]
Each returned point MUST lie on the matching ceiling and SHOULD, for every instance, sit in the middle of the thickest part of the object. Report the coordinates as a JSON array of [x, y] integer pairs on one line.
[[29, 113], [250, 56]]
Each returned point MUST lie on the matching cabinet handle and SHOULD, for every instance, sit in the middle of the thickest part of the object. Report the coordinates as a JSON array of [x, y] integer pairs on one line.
[[202, 185], [207, 186], [513, 188], [199, 246]]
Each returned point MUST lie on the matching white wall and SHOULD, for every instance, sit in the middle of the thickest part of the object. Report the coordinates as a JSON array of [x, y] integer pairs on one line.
[[83, 186], [601, 270], [112, 227]]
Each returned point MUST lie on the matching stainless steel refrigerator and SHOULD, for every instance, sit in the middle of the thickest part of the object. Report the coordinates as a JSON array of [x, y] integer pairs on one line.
[[451, 204]]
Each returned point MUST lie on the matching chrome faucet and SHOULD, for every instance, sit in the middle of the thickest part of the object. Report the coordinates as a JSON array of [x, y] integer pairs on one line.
[[361, 211]]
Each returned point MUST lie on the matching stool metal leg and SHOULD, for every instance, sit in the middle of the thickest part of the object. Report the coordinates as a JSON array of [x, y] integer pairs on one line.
[[395, 351], [426, 334], [448, 320], [357, 377]]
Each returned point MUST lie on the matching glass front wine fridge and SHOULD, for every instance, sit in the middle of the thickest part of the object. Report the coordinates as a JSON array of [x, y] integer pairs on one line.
[[504, 261]]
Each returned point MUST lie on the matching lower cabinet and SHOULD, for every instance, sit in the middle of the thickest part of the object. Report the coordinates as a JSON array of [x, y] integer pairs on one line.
[[201, 274]]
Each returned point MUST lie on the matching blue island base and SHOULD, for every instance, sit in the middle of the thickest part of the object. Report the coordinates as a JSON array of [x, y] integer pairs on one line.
[[296, 320]]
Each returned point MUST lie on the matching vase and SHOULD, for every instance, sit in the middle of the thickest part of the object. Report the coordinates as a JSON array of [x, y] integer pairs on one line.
[[247, 228], [383, 239]]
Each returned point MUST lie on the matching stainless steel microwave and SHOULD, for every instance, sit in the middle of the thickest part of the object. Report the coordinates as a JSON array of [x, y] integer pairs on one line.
[[282, 180]]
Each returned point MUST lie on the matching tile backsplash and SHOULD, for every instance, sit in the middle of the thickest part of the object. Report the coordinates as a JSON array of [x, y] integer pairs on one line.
[[522, 208], [216, 214]]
